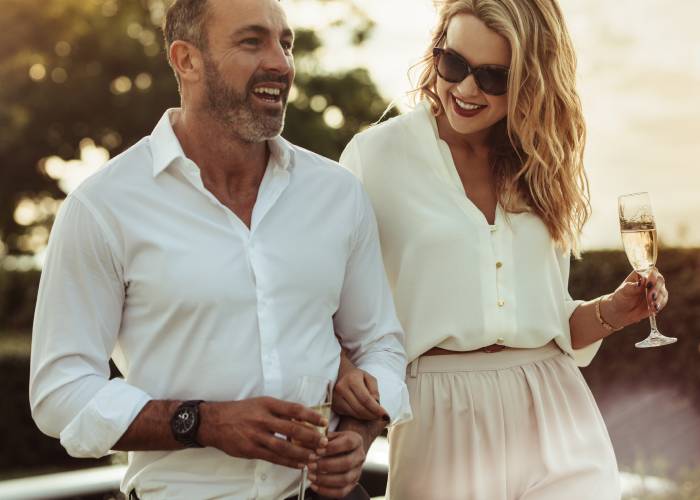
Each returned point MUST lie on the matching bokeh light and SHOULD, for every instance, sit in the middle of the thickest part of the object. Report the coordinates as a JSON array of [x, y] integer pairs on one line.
[[333, 117], [37, 72]]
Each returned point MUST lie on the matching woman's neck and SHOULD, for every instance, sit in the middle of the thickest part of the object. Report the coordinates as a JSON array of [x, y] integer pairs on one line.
[[476, 144]]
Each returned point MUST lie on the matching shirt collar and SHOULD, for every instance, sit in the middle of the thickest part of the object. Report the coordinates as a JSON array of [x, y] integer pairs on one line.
[[166, 147], [281, 153], [164, 144]]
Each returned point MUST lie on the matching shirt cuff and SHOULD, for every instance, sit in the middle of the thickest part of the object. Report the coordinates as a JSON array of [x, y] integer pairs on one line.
[[393, 393], [584, 356], [100, 424]]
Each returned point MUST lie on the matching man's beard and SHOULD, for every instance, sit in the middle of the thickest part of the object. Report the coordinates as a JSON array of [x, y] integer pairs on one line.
[[237, 111]]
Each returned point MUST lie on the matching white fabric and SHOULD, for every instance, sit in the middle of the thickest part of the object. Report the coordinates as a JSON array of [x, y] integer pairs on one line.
[[520, 424], [458, 282], [147, 266]]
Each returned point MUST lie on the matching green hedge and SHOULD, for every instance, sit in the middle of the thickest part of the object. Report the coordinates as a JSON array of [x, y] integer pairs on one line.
[[619, 369], [25, 450], [619, 363], [17, 297]]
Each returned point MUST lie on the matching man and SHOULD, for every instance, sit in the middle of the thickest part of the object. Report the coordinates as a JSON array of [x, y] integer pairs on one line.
[[215, 261]]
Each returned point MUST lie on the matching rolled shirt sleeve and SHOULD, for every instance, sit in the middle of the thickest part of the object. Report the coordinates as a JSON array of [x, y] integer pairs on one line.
[[76, 324], [366, 319], [585, 355]]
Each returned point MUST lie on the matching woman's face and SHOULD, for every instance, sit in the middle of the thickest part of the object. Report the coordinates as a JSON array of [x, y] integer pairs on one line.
[[468, 109]]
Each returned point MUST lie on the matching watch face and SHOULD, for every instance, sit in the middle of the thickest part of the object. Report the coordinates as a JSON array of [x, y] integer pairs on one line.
[[184, 420]]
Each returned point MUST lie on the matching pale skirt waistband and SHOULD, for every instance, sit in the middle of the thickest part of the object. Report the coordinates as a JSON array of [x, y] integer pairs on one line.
[[482, 361]]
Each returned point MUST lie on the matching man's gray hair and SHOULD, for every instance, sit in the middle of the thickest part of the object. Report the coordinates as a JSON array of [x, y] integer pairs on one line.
[[185, 20]]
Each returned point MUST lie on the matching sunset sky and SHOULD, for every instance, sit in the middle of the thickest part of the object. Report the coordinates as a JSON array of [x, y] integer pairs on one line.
[[639, 80]]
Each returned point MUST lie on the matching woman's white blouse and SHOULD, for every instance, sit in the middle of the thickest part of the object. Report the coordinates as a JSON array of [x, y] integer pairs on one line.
[[458, 282]]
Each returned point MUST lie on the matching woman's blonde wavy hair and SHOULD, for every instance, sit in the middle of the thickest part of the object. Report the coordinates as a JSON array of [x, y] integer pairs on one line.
[[537, 150]]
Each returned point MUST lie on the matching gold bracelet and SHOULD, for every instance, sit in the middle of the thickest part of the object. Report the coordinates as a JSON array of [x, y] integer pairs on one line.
[[605, 324]]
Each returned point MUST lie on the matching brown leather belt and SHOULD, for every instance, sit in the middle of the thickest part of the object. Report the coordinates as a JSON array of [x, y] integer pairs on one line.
[[437, 351]]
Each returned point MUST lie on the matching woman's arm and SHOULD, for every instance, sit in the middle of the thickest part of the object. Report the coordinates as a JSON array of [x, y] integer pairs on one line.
[[356, 393], [623, 307]]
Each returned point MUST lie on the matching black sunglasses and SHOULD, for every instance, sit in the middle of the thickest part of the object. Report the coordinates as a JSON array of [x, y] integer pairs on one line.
[[490, 78]]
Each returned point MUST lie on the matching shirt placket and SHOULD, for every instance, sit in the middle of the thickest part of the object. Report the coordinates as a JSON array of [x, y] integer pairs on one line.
[[264, 486], [501, 263], [274, 183]]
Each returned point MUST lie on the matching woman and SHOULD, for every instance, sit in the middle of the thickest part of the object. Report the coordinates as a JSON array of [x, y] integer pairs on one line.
[[480, 195]]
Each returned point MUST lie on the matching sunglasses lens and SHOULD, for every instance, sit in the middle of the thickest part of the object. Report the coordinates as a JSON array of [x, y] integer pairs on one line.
[[452, 68], [493, 81]]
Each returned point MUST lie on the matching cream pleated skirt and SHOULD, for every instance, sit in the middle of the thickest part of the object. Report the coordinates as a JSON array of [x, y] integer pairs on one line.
[[517, 424]]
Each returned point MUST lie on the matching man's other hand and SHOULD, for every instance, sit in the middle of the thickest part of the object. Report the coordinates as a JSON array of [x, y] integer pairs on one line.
[[263, 428], [337, 472]]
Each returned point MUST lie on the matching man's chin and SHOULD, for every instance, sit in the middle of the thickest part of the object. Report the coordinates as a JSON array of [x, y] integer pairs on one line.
[[258, 132], [276, 111]]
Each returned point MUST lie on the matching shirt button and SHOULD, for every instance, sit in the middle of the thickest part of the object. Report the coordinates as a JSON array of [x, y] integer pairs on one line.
[[500, 340], [263, 476], [499, 264], [493, 228], [501, 303]]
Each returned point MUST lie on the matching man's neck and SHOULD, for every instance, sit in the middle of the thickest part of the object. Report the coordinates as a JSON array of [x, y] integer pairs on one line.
[[231, 169], [227, 164]]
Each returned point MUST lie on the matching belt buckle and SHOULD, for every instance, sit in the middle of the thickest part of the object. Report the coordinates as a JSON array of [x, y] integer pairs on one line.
[[489, 349]]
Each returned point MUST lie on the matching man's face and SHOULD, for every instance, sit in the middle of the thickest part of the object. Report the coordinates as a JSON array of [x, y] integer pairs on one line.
[[248, 66]]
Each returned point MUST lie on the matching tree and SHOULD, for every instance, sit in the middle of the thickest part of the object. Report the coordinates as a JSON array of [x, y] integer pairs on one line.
[[82, 72]]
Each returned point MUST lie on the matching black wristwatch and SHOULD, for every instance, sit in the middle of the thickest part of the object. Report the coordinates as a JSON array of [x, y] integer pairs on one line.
[[185, 423]]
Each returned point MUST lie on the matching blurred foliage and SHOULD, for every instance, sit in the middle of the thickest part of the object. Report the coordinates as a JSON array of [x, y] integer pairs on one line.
[[618, 368], [25, 450], [17, 297], [620, 363], [76, 69]]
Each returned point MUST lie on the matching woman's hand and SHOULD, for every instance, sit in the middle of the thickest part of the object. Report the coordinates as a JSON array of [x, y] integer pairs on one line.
[[356, 393], [635, 297]]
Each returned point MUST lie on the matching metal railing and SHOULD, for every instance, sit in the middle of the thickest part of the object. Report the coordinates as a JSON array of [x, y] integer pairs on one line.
[[107, 479], [64, 484]]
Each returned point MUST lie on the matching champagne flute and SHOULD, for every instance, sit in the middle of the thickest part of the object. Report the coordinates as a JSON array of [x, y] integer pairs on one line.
[[638, 231], [316, 393]]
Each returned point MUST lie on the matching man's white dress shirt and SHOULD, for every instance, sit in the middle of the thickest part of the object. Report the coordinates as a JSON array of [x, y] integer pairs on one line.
[[145, 265], [459, 282]]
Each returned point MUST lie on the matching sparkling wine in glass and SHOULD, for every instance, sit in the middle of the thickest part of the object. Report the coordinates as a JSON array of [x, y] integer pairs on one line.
[[315, 393], [639, 240]]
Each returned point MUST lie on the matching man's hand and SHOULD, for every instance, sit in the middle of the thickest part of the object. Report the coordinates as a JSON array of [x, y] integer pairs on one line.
[[247, 429], [339, 470]]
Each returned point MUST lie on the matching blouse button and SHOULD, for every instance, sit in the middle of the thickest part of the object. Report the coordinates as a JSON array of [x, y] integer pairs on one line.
[[499, 264], [501, 303]]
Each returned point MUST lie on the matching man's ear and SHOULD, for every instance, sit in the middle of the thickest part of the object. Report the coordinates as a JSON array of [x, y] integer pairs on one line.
[[187, 61]]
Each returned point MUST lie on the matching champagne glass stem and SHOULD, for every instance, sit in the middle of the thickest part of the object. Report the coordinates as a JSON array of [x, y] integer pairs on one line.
[[655, 338], [300, 495], [652, 313], [652, 319]]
